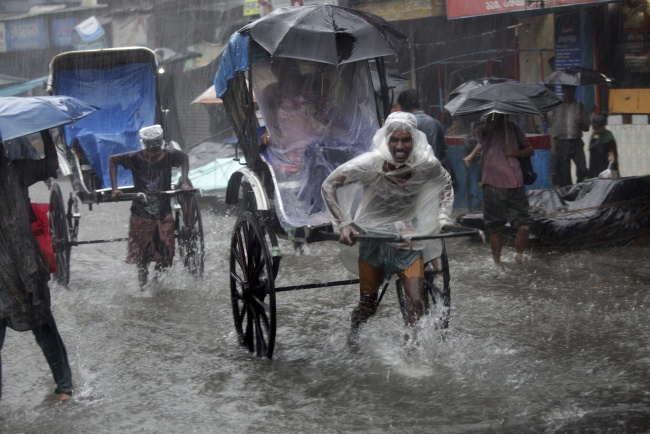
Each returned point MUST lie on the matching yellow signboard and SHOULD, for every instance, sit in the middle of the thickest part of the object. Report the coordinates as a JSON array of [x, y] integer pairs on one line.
[[398, 10], [251, 7], [629, 101]]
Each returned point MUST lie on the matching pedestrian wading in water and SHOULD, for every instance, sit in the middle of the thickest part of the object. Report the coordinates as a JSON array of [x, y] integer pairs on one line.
[[24, 290]]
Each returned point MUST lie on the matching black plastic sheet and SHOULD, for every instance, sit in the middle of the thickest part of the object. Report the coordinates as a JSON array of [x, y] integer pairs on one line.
[[599, 212]]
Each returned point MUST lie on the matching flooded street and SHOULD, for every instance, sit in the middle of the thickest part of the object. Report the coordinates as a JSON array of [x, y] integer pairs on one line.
[[560, 344]]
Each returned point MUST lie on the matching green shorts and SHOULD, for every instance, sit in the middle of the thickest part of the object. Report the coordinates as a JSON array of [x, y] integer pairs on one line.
[[503, 205]]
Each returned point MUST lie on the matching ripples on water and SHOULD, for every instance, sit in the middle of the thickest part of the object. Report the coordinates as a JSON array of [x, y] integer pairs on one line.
[[559, 344]]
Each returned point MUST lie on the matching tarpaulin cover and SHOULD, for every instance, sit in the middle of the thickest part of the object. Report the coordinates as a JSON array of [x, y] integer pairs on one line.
[[599, 212], [318, 116], [126, 96], [233, 61]]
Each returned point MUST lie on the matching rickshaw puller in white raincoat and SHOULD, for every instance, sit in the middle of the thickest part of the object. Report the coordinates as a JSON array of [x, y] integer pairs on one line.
[[397, 188]]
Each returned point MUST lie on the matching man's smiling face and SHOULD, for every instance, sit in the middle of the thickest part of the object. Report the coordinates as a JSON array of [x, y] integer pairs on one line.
[[400, 145]]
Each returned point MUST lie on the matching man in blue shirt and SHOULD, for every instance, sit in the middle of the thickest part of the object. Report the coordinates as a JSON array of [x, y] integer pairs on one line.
[[408, 101]]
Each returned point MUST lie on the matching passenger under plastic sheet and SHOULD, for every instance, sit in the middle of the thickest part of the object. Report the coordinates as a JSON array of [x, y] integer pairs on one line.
[[317, 117]]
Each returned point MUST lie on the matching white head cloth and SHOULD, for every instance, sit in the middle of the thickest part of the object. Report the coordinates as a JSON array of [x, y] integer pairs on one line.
[[152, 136]]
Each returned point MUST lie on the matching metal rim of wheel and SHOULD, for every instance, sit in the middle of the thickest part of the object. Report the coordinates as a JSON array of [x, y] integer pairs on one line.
[[191, 242], [252, 287], [60, 236]]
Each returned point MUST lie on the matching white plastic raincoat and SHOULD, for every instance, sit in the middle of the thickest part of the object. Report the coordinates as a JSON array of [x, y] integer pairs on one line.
[[415, 199]]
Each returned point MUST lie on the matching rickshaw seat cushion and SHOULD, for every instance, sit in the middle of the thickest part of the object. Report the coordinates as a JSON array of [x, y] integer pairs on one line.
[[98, 147]]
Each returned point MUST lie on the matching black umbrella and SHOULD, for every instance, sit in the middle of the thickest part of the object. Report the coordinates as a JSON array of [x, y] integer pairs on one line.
[[578, 76], [476, 82], [324, 33], [509, 97]]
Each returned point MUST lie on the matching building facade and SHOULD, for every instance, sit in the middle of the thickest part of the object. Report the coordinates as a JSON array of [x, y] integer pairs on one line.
[[451, 41]]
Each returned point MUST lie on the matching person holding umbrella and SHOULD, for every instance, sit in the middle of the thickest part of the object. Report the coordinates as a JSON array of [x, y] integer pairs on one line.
[[24, 292], [567, 123], [504, 194]]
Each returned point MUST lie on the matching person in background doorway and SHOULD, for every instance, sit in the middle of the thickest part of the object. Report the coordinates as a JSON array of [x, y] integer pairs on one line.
[[567, 123], [602, 147]]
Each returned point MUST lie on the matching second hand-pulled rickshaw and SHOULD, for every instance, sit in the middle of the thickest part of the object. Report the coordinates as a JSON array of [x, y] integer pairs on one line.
[[123, 84], [309, 68]]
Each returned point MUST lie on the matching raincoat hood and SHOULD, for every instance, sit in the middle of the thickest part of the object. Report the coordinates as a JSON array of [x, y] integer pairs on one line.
[[406, 122]]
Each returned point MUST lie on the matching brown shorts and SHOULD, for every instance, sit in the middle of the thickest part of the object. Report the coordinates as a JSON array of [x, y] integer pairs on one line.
[[151, 240]]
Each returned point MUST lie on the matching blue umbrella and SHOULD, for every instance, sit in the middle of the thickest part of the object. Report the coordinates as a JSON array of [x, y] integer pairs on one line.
[[20, 116]]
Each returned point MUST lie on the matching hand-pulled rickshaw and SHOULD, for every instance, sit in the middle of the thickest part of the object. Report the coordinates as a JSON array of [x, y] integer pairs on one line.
[[123, 84], [314, 109]]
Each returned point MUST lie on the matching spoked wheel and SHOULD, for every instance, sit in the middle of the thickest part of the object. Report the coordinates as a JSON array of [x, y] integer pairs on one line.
[[252, 287], [60, 236], [189, 231], [437, 292]]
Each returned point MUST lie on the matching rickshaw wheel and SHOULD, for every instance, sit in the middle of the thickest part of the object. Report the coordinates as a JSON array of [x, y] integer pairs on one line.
[[189, 231], [60, 236], [437, 294], [252, 287]]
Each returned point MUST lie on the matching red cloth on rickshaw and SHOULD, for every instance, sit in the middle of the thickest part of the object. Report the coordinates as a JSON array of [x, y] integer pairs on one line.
[[41, 230]]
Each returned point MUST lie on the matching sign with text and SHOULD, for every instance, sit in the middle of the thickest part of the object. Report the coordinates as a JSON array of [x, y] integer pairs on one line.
[[89, 30], [251, 7], [63, 32], [567, 41], [26, 34], [472, 8]]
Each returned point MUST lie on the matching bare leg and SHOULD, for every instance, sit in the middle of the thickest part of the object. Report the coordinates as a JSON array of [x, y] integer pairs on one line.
[[413, 287], [520, 242], [495, 244], [143, 273], [370, 279]]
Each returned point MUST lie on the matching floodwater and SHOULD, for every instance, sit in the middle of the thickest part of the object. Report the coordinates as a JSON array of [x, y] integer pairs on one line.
[[559, 344]]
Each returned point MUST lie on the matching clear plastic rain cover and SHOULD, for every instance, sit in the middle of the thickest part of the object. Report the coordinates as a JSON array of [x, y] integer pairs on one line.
[[414, 199], [317, 117]]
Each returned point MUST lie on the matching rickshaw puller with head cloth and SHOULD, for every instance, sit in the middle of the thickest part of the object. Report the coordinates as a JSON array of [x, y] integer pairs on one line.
[[151, 226]]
